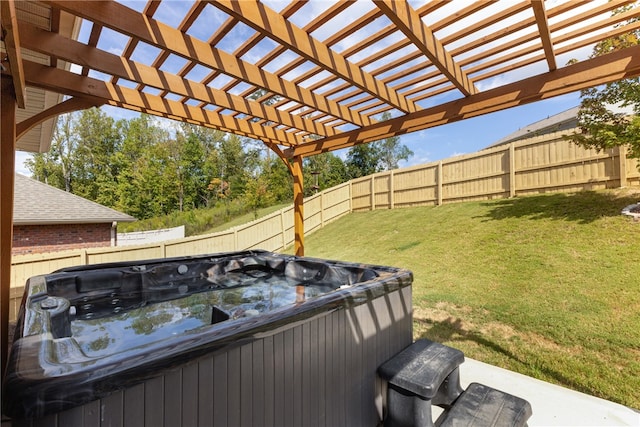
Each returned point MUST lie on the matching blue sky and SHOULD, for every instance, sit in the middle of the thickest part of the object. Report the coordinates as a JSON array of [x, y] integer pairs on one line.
[[471, 135], [464, 137], [429, 145]]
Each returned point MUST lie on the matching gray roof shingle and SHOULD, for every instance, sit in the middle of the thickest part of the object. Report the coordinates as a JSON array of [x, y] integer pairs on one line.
[[38, 203], [564, 120]]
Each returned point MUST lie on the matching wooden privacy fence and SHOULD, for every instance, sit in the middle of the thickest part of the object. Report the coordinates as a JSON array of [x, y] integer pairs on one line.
[[540, 164], [273, 232]]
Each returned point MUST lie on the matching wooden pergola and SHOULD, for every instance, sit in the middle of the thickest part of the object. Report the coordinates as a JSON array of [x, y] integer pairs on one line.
[[304, 78]]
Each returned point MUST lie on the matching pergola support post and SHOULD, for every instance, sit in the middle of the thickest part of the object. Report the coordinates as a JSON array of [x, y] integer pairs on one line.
[[8, 105], [298, 204], [295, 169]]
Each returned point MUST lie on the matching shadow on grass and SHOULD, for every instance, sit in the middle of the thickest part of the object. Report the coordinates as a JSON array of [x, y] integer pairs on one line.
[[451, 330], [583, 207]]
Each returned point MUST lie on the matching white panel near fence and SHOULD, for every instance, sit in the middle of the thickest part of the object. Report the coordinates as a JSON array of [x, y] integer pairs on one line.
[[150, 236]]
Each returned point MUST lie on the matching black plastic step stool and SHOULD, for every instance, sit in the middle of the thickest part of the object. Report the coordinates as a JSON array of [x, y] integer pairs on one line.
[[422, 374], [483, 406]]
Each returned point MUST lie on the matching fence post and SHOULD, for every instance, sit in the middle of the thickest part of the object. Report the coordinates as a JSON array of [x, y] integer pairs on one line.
[[622, 159], [84, 257], [439, 182], [322, 209], [373, 192], [391, 197], [163, 250], [512, 170], [350, 196], [284, 237], [235, 238]]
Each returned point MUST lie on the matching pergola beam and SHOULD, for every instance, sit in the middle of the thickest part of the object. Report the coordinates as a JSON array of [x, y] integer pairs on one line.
[[410, 24], [592, 72], [11, 40], [266, 21], [68, 83], [76, 52], [66, 106], [127, 21]]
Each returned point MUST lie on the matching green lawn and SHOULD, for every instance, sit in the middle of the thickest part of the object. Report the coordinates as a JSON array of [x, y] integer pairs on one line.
[[546, 285]]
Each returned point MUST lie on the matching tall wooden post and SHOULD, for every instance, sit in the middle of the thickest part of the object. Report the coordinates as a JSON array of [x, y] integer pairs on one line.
[[298, 204], [512, 170], [439, 179], [391, 191], [8, 106]]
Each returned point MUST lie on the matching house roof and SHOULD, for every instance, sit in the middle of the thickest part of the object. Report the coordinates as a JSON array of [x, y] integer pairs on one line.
[[564, 120], [36, 203]]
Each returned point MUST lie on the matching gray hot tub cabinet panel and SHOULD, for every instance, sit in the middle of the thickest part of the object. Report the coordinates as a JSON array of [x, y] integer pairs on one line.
[[321, 372]]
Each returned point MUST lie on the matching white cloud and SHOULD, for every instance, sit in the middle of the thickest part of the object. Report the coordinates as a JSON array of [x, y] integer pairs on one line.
[[119, 113]]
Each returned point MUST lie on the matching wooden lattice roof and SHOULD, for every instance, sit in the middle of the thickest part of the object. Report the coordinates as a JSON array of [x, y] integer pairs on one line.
[[306, 77]]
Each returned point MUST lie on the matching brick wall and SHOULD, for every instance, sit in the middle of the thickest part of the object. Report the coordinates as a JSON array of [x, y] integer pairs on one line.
[[31, 239]]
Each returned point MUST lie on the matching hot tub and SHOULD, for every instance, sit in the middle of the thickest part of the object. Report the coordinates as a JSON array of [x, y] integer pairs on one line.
[[246, 338]]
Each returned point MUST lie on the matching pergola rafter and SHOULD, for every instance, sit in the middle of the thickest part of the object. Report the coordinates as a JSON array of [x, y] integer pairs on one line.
[[410, 24], [128, 22], [266, 21], [545, 34], [76, 52], [304, 78], [54, 79]]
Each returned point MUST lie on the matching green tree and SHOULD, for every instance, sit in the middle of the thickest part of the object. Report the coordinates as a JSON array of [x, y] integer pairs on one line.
[[390, 150], [363, 160], [601, 126], [327, 169], [147, 183], [187, 158], [45, 168], [94, 172], [278, 179], [257, 194], [236, 163], [55, 166], [138, 135], [208, 141], [157, 179]]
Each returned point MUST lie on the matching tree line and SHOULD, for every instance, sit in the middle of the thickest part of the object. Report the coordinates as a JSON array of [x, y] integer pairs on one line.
[[146, 169]]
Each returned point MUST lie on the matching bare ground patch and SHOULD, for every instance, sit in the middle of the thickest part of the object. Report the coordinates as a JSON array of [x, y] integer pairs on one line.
[[454, 321]]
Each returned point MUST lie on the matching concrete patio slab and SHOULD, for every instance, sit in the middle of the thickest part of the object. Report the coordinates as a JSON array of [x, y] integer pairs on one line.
[[552, 405]]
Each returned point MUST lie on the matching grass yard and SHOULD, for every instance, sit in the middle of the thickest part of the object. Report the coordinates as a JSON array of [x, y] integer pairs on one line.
[[548, 286]]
